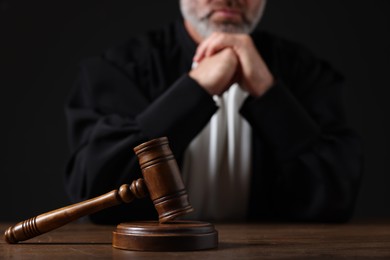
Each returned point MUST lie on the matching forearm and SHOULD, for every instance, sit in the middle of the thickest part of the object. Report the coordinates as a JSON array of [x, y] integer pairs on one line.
[[281, 121], [102, 137], [180, 113]]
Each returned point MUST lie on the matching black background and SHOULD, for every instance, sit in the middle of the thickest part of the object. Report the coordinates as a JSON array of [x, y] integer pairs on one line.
[[42, 41]]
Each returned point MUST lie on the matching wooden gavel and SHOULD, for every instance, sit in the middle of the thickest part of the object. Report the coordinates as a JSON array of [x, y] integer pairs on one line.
[[161, 180]]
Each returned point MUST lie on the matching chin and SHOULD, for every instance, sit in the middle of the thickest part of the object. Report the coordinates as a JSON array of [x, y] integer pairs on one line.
[[229, 28]]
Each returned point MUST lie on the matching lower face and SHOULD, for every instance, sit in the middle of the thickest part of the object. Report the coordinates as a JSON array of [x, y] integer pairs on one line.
[[234, 16]]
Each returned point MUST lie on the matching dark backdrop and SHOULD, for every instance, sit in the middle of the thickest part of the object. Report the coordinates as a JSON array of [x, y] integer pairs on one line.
[[42, 41]]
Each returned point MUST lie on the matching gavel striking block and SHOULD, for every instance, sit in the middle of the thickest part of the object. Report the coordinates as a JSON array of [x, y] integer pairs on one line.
[[161, 180]]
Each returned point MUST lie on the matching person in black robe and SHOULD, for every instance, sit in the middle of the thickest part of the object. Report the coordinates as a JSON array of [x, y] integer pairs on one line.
[[306, 162]]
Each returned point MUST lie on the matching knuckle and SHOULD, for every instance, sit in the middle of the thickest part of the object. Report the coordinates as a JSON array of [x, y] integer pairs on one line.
[[229, 54], [229, 51]]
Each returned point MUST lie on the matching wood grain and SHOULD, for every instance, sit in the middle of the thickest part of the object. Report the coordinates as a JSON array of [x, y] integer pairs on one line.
[[356, 240], [171, 236]]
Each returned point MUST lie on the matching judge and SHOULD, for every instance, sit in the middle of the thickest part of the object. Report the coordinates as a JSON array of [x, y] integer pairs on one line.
[[255, 122]]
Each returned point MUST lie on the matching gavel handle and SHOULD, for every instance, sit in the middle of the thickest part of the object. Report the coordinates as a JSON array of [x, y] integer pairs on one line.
[[57, 218]]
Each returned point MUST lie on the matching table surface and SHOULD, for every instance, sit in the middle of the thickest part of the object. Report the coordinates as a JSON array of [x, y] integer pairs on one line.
[[357, 240]]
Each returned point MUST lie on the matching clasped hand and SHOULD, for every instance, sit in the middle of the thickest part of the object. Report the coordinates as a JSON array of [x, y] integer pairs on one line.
[[227, 58]]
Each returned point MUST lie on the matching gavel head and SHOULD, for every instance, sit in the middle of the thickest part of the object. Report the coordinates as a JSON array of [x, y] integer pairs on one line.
[[163, 180]]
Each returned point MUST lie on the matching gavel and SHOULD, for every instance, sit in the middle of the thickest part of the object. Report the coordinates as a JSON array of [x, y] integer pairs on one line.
[[161, 180]]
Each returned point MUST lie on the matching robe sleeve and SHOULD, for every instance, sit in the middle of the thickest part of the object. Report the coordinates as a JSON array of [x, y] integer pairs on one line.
[[316, 159], [108, 114]]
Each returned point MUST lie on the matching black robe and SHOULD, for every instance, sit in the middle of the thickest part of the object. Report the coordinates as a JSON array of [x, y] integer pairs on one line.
[[306, 161]]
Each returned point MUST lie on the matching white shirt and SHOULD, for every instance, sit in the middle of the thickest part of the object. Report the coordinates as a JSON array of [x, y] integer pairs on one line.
[[217, 163]]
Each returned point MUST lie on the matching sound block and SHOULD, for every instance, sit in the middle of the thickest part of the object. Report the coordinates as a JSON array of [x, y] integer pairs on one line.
[[171, 236]]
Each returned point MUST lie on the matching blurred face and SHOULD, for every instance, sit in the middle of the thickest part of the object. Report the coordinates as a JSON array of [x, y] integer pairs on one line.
[[232, 16]]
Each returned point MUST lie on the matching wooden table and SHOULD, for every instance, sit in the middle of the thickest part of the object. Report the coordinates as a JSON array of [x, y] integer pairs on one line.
[[357, 240]]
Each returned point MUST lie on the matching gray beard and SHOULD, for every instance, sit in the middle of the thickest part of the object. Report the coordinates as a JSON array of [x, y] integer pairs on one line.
[[205, 28]]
